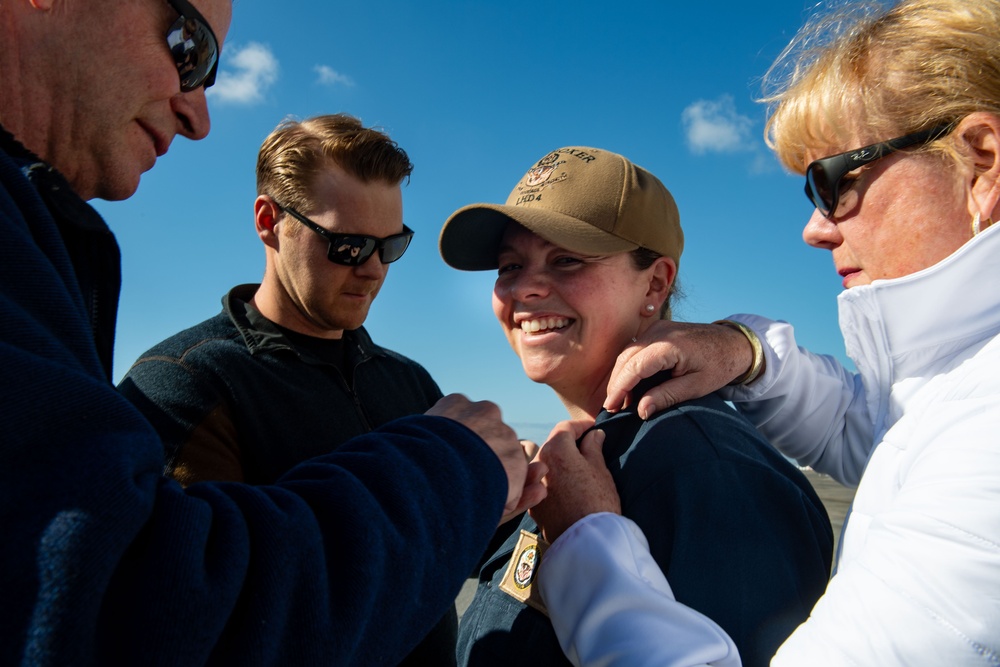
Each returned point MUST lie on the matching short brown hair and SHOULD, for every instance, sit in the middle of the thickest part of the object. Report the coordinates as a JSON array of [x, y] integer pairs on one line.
[[296, 151], [919, 64]]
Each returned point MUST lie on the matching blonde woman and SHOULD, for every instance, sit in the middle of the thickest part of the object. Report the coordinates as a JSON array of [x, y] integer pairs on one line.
[[896, 127]]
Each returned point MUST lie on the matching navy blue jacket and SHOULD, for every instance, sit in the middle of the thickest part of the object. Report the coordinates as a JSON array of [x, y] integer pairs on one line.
[[106, 562], [739, 532], [235, 398]]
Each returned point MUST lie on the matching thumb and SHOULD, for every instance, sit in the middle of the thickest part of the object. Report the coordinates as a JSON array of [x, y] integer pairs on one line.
[[670, 393], [592, 445]]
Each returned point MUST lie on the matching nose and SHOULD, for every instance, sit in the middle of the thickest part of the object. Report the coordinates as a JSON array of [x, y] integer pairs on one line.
[[528, 283], [191, 109], [821, 232]]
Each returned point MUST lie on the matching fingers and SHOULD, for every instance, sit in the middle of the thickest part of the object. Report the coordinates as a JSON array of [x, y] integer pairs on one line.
[[560, 449], [634, 365], [533, 493], [573, 428], [447, 404], [673, 391], [592, 446], [484, 418], [623, 379], [642, 364], [536, 471], [530, 449], [701, 357], [578, 483]]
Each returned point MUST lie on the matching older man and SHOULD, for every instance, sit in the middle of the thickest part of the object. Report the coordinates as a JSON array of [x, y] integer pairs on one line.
[[105, 561], [287, 371]]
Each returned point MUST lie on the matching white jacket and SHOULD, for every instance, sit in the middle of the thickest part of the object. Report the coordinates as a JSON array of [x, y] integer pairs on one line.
[[918, 578]]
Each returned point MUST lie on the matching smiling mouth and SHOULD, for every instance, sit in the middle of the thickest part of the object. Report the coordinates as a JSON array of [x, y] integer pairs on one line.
[[545, 324]]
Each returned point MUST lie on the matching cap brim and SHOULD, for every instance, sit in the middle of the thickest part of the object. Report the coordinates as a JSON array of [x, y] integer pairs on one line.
[[470, 238]]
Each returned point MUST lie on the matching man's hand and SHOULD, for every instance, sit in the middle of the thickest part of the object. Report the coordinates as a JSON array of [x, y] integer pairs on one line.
[[703, 358], [578, 481], [524, 485]]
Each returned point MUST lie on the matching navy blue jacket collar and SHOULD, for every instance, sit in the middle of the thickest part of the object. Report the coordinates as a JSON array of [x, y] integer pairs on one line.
[[262, 335]]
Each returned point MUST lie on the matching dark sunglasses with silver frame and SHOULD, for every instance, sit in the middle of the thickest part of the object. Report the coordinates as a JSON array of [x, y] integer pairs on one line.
[[193, 46], [824, 176], [355, 249]]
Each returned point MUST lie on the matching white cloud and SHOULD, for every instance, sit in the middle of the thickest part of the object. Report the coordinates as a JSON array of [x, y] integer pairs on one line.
[[328, 76], [250, 71], [715, 126]]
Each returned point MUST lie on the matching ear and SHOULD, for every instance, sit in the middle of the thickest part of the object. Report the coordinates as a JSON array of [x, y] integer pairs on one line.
[[265, 214], [980, 134], [662, 273]]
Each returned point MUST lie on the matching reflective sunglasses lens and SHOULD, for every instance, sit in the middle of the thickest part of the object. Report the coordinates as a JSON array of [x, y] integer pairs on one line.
[[819, 188], [351, 250], [394, 248], [195, 52]]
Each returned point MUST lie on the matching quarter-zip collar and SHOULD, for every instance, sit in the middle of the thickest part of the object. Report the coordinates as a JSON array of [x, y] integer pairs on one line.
[[900, 333], [261, 335]]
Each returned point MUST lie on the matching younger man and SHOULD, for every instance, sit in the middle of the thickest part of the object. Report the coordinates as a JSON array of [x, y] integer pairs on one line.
[[286, 371]]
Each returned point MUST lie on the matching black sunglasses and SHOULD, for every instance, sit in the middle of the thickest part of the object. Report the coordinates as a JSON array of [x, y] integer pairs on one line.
[[193, 46], [824, 176], [355, 249]]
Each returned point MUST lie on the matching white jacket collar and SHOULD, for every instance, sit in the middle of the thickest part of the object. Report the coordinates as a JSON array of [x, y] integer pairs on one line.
[[906, 328]]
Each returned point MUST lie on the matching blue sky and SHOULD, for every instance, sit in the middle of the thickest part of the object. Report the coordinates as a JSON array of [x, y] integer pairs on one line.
[[476, 93]]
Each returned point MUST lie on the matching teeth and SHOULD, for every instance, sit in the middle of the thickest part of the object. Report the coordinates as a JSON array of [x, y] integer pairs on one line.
[[544, 324]]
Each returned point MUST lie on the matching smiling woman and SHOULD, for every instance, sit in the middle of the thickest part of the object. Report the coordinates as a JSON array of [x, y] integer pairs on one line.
[[895, 124], [587, 249], [566, 314]]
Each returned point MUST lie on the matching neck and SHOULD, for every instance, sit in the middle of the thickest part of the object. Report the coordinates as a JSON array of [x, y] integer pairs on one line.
[[583, 399], [273, 302]]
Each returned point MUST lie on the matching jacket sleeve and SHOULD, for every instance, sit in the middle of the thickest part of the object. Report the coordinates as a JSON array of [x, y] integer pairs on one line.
[[192, 418], [349, 559], [341, 562], [610, 604], [921, 588], [809, 406]]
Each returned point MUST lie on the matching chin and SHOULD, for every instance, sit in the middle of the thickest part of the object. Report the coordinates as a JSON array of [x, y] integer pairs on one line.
[[539, 375], [114, 189]]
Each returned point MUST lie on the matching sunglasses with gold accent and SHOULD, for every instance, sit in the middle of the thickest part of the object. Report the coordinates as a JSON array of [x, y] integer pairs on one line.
[[825, 176]]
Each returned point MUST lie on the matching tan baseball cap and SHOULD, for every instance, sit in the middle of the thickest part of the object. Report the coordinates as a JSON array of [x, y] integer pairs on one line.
[[583, 199]]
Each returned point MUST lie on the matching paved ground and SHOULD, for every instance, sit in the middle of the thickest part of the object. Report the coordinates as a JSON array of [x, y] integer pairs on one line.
[[835, 497]]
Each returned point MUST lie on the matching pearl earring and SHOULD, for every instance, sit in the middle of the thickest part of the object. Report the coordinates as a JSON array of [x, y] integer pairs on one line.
[[650, 307]]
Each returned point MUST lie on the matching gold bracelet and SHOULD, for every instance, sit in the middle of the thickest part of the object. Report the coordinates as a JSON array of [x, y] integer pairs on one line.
[[757, 366]]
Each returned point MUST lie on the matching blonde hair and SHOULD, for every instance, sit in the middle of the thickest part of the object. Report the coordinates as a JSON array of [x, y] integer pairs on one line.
[[296, 151], [883, 73]]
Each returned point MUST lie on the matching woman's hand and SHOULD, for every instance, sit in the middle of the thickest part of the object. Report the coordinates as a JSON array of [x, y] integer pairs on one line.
[[578, 481], [702, 357]]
